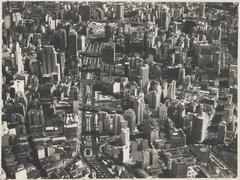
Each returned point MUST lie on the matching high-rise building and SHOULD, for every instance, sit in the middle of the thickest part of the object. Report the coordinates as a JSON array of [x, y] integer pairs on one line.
[[139, 107], [222, 130], [144, 75], [202, 9], [162, 110], [61, 61], [108, 53], [177, 139], [126, 153], [151, 130], [144, 144], [120, 11], [35, 117], [130, 116], [125, 136], [81, 43], [179, 168], [48, 57], [145, 159], [165, 16], [72, 43], [108, 33], [154, 158], [165, 89], [134, 146], [181, 76], [199, 126], [85, 12], [172, 90], [63, 39], [19, 58]]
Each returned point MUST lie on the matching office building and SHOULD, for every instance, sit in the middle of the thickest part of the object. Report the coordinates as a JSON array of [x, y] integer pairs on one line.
[[61, 61], [84, 12], [222, 130], [108, 33], [125, 136], [177, 139], [126, 153], [130, 116], [179, 168], [108, 53], [199, 126], [144, 144], [81, 42], [144, 75], [139, 106], [181, 76], [151, 130], [162, 111], [172, 90], [73, 43], [145, 159], [19, 58], [120, 11], [154, 158], [134, 146], [48, 57]]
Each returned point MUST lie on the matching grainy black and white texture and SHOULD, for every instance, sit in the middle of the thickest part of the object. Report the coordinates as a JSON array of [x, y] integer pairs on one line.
[[119, 89]]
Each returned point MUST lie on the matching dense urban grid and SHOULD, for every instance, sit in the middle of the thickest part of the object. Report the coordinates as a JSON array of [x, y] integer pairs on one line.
[[119, 89]]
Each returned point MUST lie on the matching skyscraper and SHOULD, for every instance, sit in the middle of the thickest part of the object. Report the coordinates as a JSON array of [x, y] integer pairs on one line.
[[72, 43], [151, 131], [181, 76], [162, 111], [81, 43], [222, 130], [108, 33], [85, 12], [108, 53], [199, 126], [144, 75], [48, 57], [125, 136], [139, 106], [179, 168], [172, 90], [120, 11], [130, 116], [145, 159], [19, 58]]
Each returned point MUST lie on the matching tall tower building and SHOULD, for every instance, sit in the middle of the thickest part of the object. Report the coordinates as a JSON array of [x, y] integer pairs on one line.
[[181, 76], [172, 90], [108, 33], [18, 58], [61, 61], [108, 53], [125, 136], [85, 12], [72, 43], [222, 130], [48, 57], [145, 159], [144, 75], [199, 126], [162, 110], [81, 43], [202, 9], [130, 116], [120, 11], [139, 107]]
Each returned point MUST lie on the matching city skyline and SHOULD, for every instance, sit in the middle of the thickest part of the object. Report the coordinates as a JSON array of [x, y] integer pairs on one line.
[[119, 90]]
